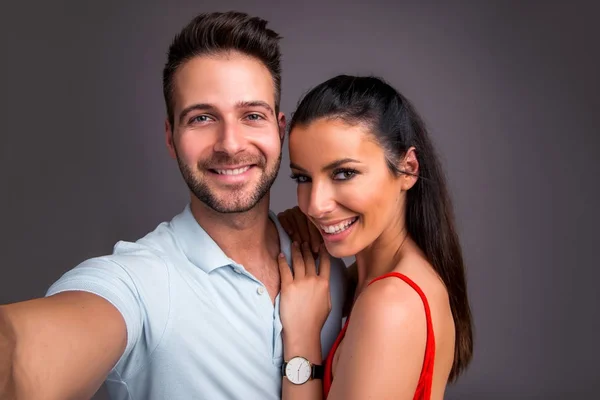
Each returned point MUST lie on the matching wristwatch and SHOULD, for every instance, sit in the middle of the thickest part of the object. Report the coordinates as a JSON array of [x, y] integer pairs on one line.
[[299, 370]]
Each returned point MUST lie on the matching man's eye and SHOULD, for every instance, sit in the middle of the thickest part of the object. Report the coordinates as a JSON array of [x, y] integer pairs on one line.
[[200, 118], [254, 117]]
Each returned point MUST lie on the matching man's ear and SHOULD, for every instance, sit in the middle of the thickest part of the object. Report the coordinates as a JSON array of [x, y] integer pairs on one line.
[[282, 125], [410, 168], [169, 139]]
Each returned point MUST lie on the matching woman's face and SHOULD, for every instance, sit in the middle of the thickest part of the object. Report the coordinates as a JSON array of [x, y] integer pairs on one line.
[[344, 185]]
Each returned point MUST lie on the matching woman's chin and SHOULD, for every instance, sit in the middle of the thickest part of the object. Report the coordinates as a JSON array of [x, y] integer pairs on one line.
[[339, 250]]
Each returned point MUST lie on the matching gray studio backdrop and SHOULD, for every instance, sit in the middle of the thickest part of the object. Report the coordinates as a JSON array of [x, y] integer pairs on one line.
[[508, 89]]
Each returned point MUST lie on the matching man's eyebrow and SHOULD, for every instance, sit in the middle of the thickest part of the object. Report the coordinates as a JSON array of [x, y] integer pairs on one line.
[[330, 166], [256, 103], [194, 107]]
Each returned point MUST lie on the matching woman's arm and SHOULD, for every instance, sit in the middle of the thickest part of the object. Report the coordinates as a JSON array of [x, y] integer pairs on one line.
[[304, 306], [309, 347], [384, 347]]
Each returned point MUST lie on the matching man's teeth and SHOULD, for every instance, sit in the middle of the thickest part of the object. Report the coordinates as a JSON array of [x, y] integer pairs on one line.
[[342, 226], [236, 171]]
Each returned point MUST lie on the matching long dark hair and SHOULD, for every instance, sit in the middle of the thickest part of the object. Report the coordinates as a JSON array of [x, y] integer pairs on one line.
[[429, 215]]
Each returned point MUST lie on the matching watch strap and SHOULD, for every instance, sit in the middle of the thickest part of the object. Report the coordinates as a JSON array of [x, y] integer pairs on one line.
[[283, 368], [318, 372]]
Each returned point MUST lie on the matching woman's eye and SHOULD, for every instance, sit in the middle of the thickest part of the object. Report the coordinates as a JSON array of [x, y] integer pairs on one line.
[[344, 175], [300, 178]]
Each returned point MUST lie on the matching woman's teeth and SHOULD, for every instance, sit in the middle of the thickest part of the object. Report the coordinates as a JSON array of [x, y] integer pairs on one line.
[[342, 226]]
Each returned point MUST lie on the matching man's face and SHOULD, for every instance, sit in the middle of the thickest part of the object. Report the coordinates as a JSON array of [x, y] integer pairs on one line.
[[225, 135]]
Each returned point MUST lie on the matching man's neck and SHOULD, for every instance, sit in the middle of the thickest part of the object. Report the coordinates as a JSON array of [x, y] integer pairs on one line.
[[247, 238]]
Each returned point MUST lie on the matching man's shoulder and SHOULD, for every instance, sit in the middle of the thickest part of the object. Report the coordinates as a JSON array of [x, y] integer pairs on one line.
[[155, 246], [147, 259], [338, 279], [338, 265]]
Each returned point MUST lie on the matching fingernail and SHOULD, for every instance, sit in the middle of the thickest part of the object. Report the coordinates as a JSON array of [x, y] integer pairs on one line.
[[281, 255], [295, 244]]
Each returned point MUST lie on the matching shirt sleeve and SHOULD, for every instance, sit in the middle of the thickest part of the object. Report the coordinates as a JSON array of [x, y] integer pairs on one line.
[[137, 285]]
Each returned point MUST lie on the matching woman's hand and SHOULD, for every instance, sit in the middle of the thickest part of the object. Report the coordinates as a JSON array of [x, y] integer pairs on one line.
[[300, 228], [305, 299]]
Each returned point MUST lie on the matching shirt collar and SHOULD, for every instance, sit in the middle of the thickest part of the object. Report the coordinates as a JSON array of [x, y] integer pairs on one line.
[[202, 251]]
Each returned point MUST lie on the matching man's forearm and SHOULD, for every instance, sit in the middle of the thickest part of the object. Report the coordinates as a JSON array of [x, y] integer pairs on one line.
[[7, 350]]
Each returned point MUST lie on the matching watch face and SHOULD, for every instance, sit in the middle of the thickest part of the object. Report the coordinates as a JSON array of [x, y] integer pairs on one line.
[[298, 370]]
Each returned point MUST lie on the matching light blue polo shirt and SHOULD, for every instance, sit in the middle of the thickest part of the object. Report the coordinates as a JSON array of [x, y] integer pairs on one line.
[[199, 326]]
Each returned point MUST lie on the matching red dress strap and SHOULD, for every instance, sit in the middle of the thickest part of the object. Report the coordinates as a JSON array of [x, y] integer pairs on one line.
[[423, 391]]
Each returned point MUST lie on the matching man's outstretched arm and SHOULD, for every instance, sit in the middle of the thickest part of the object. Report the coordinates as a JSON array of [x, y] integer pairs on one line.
[[58, 347]]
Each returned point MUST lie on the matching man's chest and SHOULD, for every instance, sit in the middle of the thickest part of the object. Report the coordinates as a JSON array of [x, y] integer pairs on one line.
[[236, 310], [268, 276], [226, 347], [232, 311]]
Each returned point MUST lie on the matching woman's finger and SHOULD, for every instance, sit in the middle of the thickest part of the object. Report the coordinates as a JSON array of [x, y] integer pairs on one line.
[[309, 260], [285, 271], [292, 225], [301, 224], [284, 221], [324, 263], [297, 261], [315, 237]]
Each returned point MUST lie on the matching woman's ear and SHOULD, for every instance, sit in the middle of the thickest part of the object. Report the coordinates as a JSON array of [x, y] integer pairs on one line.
[[409, 167]]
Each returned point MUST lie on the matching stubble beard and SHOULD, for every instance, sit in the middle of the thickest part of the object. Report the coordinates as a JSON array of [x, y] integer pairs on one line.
[[238, 199]]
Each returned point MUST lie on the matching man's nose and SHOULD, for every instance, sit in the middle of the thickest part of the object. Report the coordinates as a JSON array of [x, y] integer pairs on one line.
[[231, 139]]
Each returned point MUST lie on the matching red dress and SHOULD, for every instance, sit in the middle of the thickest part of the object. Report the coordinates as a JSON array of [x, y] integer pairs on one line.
[[423, 391]]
